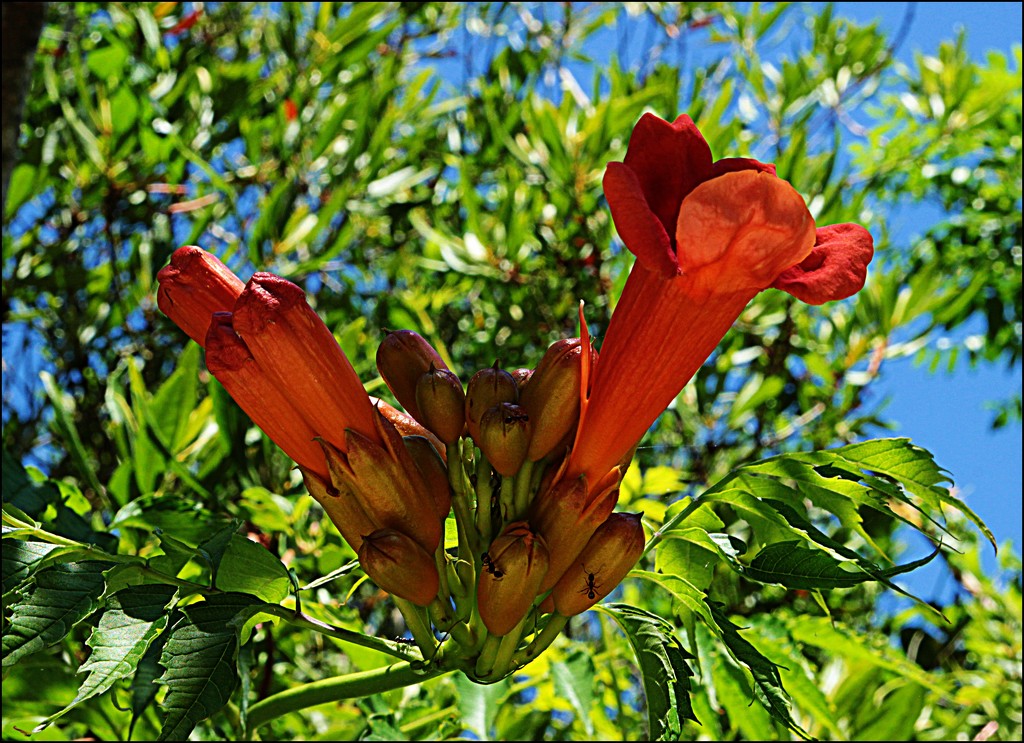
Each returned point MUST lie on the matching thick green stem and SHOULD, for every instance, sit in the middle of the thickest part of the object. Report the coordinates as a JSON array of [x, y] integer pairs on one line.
[[523, 490], [468, 538], [441, 561], [507, 499], [508, 646], [418, 621], [335, 689], [488, 653], [484, 494], [541, 642], [302, 620]]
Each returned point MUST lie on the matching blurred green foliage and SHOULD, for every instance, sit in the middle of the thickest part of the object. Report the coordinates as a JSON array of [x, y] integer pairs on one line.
[[437, 167]]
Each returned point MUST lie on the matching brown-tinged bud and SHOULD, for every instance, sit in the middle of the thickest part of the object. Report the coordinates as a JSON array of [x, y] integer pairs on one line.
[[400, 566], [291, 342], [193, 286], [487, 388], [402, 358], [406, 425], [609, 555], [522, 376], [552, 398], [262, 399], [566, 518], [505, 437], [510, 579], [387, 485], [433, 472], [442, 403], [341, 507]]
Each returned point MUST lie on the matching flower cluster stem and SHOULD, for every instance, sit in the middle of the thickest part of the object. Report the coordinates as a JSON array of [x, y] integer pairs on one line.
[[350, 686], [418, 621]]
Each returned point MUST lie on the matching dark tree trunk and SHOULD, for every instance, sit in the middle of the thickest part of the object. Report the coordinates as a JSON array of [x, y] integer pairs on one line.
[[22, 23]]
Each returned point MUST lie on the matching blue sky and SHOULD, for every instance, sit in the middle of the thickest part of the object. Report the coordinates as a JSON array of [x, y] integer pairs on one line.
[[946, 413]]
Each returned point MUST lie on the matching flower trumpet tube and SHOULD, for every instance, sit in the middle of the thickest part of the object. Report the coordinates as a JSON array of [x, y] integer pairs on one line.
[[708, 236], [608, 557], [300, 354], [193, 286], [229, 360], [516, 564], [400, 566]]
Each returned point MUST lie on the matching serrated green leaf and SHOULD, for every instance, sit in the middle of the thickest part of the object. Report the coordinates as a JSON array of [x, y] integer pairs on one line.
[[130, 622], [144, 686], [199, 659], [479, 704], [574, 682], [688, 558], [767, 683], [55, 601], [794, 566], [20, 559], [247, 567], [662, 662], [687, 594]]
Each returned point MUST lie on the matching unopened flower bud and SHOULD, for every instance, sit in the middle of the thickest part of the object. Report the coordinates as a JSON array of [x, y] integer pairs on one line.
[[442, 403], [193, 286], [433, 472], [505, 437], [552, 398], [609, 555], [567, 515], [522, 376], [486, 389], [402, 358], [400, 566], [514, 566]]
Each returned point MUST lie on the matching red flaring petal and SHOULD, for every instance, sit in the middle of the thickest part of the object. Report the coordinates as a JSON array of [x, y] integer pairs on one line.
[[669, 160], [639, 228], [734, 164], [835, 269]]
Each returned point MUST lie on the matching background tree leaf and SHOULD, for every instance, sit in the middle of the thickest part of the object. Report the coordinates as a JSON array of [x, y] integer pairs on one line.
[[662, 662], [199, 661], [55, 601]]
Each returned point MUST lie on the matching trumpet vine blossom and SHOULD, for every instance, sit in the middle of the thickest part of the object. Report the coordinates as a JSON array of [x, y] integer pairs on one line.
[[527, 462], [708, 236]]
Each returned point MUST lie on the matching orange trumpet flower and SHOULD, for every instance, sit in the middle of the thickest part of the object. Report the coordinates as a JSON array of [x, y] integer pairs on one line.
[[708, 236]]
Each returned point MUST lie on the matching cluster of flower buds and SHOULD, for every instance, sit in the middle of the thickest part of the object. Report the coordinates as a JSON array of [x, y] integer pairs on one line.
[[528, 461], [534, 545]]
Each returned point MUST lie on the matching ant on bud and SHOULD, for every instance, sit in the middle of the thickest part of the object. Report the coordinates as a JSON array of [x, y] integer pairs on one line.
[[591, 588], [490, 567]]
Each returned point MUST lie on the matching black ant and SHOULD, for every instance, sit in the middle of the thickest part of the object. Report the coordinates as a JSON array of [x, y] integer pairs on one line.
[[491, 567], [591, 588]]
